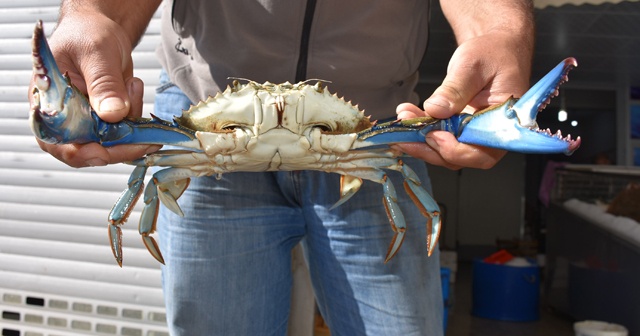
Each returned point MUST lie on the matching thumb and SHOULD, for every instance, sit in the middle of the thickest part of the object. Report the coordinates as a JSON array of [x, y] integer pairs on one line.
[[457, 90], [106, 74], [108, 94]]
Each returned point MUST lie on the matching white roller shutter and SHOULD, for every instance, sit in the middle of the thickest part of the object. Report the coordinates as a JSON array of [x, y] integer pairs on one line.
[[57, 274]]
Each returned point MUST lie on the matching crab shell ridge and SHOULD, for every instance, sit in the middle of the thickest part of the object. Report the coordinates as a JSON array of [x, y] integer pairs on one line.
[[261, 107]]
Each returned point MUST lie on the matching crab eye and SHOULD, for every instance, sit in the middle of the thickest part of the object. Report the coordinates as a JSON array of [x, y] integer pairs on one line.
[[230, 127], [324, 128]]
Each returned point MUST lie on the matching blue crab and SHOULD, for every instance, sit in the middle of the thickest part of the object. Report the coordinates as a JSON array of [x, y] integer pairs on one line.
[[270, 127]]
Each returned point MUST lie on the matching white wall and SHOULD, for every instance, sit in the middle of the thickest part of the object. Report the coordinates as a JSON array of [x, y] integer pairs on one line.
[[57, 273]]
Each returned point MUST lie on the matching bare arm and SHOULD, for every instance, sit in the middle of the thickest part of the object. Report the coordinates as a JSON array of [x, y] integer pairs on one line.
[[492, 62], [502, 33], [93, 42], [132, 16], [514, 17]]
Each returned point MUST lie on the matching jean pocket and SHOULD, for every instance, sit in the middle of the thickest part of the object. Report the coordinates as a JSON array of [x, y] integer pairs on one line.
[[165, 83], [170, 101], [164, 87]]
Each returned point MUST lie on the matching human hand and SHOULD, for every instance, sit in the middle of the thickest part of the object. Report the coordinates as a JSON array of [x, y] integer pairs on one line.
[[96, 53], [483, 71]]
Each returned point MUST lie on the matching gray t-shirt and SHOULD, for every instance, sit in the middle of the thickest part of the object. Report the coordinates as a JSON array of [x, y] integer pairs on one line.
[[369, 50]]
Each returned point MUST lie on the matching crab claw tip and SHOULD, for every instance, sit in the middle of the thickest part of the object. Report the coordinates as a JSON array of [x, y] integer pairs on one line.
[[115, 237], [38, 50], [573, 145], [540, 94]]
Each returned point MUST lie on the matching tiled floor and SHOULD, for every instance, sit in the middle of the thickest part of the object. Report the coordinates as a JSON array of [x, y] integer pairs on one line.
[[462, 323]]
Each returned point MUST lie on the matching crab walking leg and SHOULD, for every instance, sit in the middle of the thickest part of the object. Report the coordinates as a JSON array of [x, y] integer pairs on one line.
[[427, 205], [122, 209], [167, 193], [351, 166], [396, 218], [413, 186], [349, 186], [173, 157], [389, 199], [166, 186], [148, 219]]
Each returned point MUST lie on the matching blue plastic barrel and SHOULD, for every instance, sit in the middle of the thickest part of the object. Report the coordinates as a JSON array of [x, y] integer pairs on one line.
[[506, 293]]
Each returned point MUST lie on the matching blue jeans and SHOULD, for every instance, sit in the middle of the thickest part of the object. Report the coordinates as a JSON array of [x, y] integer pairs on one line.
[[228, 260]]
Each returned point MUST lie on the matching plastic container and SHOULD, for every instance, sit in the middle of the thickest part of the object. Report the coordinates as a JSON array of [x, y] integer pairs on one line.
[[599, 328], [445, 274], [506, 293]]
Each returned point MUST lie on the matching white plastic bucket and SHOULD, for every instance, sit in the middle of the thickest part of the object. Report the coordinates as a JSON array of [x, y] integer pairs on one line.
[[599, 328]]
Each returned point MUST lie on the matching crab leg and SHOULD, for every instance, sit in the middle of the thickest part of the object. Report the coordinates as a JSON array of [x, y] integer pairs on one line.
[[167, 185], [352, 166], [390, 201], [122, 209], [148, 219], [349, 186], [396, 218], [427, 205], [413, 186], [153, 194]]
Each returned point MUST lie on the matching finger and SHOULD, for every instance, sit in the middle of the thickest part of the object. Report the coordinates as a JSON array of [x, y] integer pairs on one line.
[[105, 74], [93, 154], [76, 155], [408, 110], [424, 152], [460, 86], [126, 153], [135, 88], [459, 154]]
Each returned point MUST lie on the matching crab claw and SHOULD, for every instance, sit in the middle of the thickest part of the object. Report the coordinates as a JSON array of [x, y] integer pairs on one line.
[[62, 114], [60, 111], [512, 126]]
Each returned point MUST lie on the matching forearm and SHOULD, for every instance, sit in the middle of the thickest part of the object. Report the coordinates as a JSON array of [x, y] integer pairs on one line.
[[132, 15], [473, 18]]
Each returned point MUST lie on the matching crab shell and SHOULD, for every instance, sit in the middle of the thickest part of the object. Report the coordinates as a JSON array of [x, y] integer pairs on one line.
[[269, 127], [262, 107]]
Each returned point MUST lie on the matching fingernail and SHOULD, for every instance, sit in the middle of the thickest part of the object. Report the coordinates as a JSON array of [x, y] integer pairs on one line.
[[112, 104], [135, 87], [437, 101], [96, 162]]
